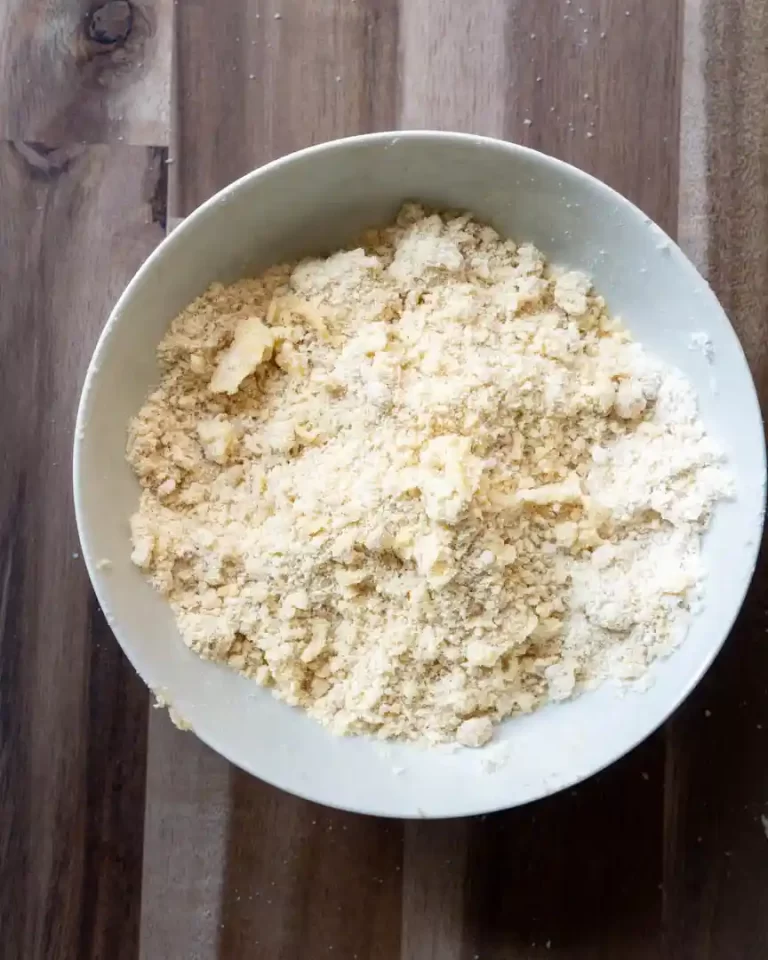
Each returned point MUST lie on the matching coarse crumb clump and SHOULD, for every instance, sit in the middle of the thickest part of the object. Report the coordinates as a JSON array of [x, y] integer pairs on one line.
[[421, 485]]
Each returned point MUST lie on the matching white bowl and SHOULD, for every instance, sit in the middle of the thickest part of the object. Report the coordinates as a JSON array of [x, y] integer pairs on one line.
[[315, 201]]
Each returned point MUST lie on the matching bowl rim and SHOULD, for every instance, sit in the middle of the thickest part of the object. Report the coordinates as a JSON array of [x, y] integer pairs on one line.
[[177, 236]]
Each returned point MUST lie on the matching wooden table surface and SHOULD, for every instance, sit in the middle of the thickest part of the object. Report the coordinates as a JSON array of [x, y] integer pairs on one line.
[[121, 837]]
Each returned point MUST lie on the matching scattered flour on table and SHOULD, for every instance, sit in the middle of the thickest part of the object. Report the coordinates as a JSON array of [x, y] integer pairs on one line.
[[421, 485]]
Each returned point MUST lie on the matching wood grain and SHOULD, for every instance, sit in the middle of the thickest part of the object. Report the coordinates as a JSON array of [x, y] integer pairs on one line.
[[574, 876], [716, 867], [559, 85], [185, 842], [264, 77], [291, 873], [453, 69], [693, 203], [77, 222], [434, 872], [304, 880], [579, 73], [85, 72]]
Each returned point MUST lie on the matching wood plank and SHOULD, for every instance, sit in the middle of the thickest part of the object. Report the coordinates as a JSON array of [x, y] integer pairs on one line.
[[580, 89], [434, 870], [693, 205], [84, 71], [303, 880], [566, 89], [185, 841], [77, 222], [454, 73], [438, 45], [574, 876], [261, 78], [292, 876], [716, 851]]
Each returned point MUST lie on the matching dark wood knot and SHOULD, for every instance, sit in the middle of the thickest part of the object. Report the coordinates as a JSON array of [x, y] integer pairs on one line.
[[110, 23]]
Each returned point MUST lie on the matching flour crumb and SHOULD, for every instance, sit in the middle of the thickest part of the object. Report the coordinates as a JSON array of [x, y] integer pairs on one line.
[[703, 343], [421, 485], [162, 702], [475, 732], [178, 721]]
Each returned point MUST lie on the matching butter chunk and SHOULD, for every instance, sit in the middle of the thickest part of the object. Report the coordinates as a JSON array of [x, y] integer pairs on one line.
[[252, 346], [571, 291], [567, 492], [475, 732], [218, 438], [450, 475]]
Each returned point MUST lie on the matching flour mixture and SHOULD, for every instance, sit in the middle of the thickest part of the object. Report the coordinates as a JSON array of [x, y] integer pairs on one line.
[[422, 485]]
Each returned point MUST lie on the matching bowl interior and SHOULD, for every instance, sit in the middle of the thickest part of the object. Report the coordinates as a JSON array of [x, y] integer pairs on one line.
[[312, 203]]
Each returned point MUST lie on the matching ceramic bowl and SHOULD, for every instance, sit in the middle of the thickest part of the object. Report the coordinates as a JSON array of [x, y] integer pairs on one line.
[[313, 202]]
